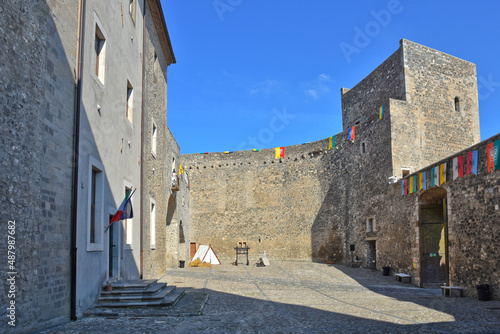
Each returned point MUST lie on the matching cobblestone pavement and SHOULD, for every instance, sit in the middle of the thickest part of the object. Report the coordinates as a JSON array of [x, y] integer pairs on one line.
[[297, 297]]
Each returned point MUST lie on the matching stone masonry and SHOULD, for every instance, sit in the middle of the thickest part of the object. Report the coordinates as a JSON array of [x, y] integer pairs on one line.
[[316, 202], [37, 59]]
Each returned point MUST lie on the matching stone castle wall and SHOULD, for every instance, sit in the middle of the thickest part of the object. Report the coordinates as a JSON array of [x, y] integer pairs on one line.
[[296, 208], [36, 151], [472, 216]]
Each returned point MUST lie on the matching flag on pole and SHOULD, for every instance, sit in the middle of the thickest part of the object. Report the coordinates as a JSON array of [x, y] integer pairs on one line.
[[381, 112], [406, 186], [433, 176], [331, 142], [496, 154], [490, 156], [402, 187], [180, 169], [458, 167], [279, 152], [124, 211], [472, 162], [423, 181], [351, 133], [442, 173]]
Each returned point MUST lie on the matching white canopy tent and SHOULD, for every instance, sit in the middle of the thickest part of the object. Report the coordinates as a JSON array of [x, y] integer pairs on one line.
[[206, 254]]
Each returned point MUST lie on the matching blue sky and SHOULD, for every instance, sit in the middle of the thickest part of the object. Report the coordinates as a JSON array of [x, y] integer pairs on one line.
[[260, 74]]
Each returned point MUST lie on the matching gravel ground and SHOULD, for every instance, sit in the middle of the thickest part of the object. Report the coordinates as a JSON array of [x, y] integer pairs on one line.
[[295, 297]]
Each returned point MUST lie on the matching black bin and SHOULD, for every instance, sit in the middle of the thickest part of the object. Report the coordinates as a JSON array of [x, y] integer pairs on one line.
[[387, 271], [483, 292], [181, 264]]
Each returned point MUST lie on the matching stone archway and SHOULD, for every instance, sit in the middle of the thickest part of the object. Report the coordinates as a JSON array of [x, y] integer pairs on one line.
[[433, 230]]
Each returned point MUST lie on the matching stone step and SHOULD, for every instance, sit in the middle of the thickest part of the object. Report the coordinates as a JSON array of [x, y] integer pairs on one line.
[[169, 300], [151, 289], [134, 284], [160, 294]]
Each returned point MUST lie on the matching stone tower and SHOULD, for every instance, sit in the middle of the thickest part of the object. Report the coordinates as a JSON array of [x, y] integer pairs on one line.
[[431, 99]]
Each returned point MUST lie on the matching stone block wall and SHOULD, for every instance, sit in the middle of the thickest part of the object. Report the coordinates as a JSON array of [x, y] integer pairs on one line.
[[36, 150], [386, 82], [473, 214], [433, 80], [307, 206]]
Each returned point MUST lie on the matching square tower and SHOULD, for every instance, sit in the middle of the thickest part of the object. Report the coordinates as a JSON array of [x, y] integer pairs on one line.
[[429, 97]]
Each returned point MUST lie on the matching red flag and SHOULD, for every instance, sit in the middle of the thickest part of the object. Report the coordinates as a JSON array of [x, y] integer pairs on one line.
[[282, 152], [406, 186], [460, 159], [469, 162], [490, 157], [124, 211]]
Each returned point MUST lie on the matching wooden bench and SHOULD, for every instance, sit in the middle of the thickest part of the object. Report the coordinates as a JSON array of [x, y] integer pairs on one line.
[[403, 278], [451, 291]]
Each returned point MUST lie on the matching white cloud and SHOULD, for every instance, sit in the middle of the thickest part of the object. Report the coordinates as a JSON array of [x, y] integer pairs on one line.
[[266, 87], [318, 87]]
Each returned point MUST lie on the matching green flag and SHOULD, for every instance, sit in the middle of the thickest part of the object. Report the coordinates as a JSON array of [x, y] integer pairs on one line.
[[496, 154]]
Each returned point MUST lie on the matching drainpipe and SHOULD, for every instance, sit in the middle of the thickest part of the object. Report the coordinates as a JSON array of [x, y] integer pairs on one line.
[[142, 134], [76, 152]]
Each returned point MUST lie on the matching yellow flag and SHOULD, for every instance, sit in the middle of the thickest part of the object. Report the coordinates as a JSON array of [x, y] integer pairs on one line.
[[277, 150], [180, 170], [420, 181], [442, 168], [330, 143]]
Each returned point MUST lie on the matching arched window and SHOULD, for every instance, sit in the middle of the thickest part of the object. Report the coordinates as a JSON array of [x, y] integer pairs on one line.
[[457, 104]]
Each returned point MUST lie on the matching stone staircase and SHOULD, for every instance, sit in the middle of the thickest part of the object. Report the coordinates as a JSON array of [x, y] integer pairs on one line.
[[139, 293]]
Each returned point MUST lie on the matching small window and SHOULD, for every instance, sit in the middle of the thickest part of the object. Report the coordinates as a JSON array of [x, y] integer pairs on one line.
[[370, 225], [152, 224], [457, 104], [130, 102], [99, 53], [155, 65], [153, 139], [363, 148], [405, 172]]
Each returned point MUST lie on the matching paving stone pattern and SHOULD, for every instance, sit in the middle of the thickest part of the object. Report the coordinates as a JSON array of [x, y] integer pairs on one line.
[[297, 297]]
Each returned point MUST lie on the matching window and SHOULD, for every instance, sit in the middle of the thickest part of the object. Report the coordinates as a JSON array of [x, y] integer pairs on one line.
[[363, 148], [155, 65], [154, 131], [370, 225], [93, 191], [152, 223], [95, 219], [405, 172], [131, 9], [99, 53], [130, 102], [457, 104]]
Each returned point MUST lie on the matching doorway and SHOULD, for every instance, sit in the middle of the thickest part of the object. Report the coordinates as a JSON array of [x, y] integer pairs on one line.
[[434, 244], [371, 254], [113, 250]]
